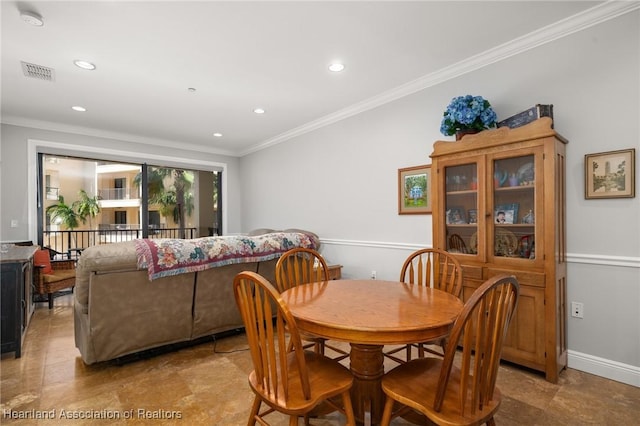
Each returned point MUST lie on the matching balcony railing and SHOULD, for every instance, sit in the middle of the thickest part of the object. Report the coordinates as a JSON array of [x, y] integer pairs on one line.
[[117, 194], [69, 244]]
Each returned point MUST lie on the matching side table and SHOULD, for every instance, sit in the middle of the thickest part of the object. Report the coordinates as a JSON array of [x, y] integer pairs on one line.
[[335, 272]]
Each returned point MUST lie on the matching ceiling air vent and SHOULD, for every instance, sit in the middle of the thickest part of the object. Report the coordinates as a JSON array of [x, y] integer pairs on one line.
[[38, 71]]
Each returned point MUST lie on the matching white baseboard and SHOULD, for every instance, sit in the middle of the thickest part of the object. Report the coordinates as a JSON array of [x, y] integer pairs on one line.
[[612, 370]]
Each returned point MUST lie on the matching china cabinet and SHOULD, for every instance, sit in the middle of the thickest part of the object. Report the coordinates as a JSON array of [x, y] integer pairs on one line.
[[499, 206]]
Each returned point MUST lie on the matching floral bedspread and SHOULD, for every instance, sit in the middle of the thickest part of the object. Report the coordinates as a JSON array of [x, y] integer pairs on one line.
[[167, 257]]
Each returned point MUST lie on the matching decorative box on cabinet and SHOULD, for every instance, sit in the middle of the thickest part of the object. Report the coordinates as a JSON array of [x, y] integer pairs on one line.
[[16, 298], [499, 206]]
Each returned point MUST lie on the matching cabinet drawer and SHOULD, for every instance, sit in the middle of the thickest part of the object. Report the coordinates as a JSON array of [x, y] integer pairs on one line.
[[535, 279], [469, 286], [472, 272]]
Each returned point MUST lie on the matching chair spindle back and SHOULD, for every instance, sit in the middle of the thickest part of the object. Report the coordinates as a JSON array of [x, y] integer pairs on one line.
[[433, 268], [269, 339], [481, 328], [300, 266]]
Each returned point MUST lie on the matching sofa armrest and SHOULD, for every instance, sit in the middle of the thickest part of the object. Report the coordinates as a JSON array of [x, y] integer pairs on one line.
[[101, 259]]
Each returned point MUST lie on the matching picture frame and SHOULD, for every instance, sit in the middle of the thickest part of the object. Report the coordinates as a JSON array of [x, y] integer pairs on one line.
[[506, 214], [610, 174], [414, 190], [456, 216], [472, 215]]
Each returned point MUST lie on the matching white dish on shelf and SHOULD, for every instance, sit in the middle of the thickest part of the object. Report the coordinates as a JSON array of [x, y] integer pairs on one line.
[[526, 173]]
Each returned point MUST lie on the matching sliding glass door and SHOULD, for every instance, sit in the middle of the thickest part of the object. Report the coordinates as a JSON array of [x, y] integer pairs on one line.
[[83, 202]]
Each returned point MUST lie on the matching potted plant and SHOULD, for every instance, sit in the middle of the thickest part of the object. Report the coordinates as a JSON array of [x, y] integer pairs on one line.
[[467, 114]]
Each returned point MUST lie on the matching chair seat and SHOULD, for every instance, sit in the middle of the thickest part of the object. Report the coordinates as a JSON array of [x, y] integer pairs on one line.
[[415, 383], [50, 283], [326, 377], [60, 274]]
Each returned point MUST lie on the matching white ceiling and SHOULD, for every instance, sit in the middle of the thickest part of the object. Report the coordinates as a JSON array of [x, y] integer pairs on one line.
[[239, 56]]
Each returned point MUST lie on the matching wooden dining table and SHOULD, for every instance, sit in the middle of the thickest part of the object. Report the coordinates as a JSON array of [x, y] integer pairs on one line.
[[369, 314]]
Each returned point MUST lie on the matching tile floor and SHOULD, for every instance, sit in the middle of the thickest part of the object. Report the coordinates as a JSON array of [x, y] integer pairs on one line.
[[207, 385]]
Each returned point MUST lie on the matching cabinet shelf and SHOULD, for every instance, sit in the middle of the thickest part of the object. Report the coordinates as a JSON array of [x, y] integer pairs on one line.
[[463, 192], [515, 188]]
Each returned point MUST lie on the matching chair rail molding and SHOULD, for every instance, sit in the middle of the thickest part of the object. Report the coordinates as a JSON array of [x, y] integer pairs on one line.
[[375, 244], [605, 260], [583, 258]]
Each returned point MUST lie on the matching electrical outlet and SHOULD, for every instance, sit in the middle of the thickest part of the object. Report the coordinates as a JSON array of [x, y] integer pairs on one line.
[[373, 275], [577, 309], [14, 223]]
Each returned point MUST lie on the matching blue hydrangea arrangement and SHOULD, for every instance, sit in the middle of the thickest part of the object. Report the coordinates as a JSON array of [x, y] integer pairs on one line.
[[467, 113]]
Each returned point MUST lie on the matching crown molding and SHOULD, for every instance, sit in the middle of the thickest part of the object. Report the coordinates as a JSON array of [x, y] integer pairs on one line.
[[578, 22], [108, 134]]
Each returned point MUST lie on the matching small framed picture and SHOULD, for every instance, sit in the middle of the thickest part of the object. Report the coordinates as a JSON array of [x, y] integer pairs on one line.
[[473, 216], [455, 216], [506, 214], [610, 174], [414, 195]]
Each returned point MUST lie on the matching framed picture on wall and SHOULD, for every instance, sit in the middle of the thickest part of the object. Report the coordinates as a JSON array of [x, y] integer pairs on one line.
[[414, 195], [610, 174]]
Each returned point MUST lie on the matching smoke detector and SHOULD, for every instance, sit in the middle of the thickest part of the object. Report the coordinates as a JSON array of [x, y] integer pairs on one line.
[[38, 71], [32, 18]]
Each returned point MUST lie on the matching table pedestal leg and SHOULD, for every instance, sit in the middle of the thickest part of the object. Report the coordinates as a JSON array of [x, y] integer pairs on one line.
[[367, 367]]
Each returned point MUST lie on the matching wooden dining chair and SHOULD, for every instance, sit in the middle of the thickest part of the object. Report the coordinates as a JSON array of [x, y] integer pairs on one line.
[[301, 266], [431, 268], [465, 395], [290, 382]]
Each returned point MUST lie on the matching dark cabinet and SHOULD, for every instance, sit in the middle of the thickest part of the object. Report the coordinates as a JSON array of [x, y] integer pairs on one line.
[[16, 302]]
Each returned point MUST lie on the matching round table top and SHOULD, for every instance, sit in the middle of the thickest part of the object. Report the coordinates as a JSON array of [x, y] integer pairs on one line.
[[372, 311]]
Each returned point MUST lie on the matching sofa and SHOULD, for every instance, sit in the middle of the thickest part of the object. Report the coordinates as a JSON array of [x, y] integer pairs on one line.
[[137, 295]]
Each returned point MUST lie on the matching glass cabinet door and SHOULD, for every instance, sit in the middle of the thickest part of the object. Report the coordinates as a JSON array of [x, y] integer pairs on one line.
[[514, 207], [461, 208]]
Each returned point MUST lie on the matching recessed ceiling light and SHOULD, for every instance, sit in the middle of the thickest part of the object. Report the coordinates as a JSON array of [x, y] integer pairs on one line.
[[78, 108], [259, 111], [336, 67], [85, 65], [217, 135], [32, 18]]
